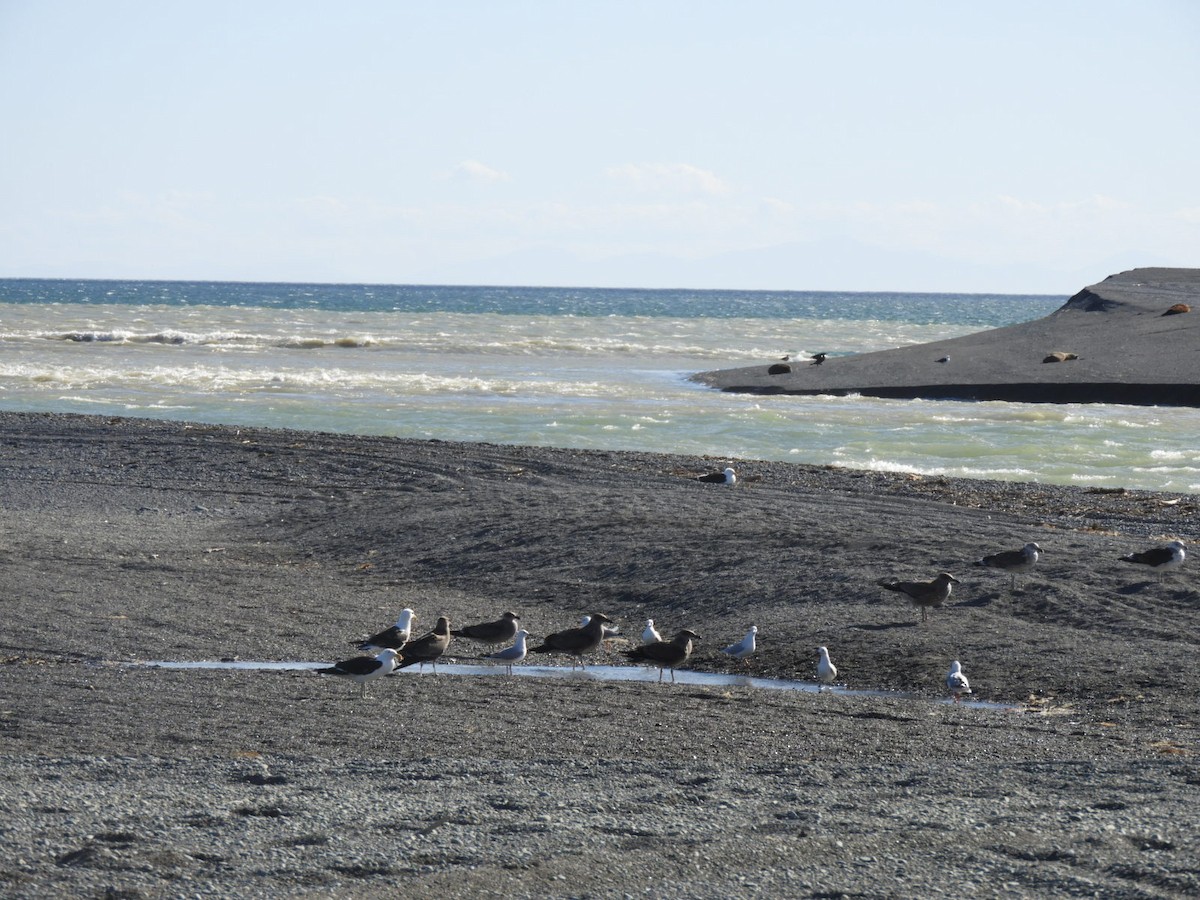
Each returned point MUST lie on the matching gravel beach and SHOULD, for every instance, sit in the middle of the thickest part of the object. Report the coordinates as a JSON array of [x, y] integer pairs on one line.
[[128, 542]]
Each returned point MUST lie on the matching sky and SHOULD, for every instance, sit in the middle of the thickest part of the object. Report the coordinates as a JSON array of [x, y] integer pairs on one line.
[[988, 146]]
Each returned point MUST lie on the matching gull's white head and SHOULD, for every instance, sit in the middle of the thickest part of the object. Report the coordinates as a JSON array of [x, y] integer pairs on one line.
[[730, 476], [404, 620]]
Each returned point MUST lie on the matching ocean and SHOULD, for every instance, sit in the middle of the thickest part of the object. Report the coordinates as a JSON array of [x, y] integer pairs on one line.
[[564, 367]]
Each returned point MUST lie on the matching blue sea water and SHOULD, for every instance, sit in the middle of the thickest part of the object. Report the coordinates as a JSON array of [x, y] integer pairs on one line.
[[571, 367]]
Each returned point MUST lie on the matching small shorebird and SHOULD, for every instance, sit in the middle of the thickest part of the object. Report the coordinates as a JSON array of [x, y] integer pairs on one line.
[[1014, 562], [363, 668], [513, 654], [427, 649], [923, 594], [826, 670], [503, 629], [818, 358], [1160, 559], [575, 641], [956, 681], [393, 638], [665, 654], [744, 648]]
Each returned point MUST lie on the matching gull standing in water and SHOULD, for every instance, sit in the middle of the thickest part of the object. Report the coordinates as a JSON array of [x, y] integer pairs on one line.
[[956, 681], [575, 641], [428, 649], [665, 654], [513, 654], [826, 670], [363, 668]]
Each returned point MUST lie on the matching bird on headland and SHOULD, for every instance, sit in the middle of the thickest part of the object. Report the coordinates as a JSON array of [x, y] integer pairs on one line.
[[513, 654], [744, 648], [364, 668], [726, 477], [665, 654], [427, 649], [1014, 562], [1160, 559], [826, 670], [575, 641], [817, 359], [393, 638], [956, 681], [503, 629], [650, 633], [923, 594]]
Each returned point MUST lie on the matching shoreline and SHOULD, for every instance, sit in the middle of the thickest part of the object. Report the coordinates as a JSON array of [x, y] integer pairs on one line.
[[1118, 341], [132, 539]]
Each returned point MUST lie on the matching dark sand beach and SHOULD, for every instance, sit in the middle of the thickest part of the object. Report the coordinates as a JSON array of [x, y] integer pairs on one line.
[[128, 541], [1122, 340]]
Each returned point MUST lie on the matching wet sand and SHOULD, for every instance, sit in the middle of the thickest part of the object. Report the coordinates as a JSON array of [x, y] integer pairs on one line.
[[128, 541]]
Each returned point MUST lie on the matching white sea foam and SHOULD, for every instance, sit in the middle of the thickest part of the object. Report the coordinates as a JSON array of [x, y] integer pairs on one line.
[[613, 381]]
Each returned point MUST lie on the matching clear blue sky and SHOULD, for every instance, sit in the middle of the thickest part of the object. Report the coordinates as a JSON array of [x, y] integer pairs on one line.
[[1005, 146]]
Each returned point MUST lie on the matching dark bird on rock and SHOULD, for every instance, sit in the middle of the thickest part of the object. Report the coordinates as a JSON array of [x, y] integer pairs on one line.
[[944, 359], [818, 358], [427, 649], [392, 638], [363, 668], [923, 594], [576, 641], [728, 476], [503, 629], [1014, 562], [1160, 559], [665, 654]]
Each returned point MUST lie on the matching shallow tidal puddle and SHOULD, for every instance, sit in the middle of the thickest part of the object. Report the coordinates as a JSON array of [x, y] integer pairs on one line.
[[591, 673]]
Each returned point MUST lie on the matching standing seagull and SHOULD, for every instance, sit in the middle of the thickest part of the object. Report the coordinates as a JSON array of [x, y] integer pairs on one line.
[[956, 681], [744, 648], [503, 629], [665, 654], [650, 634], [428, 649], [727, 477], [923, 594], [826, 670], [393, 638], [575, 641], [513, 654], [1160, 559], [610, 631], [1014, 562], [363, 668]]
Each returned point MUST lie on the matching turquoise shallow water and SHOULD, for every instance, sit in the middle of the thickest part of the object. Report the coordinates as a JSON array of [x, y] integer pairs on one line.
[[563, 367]]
